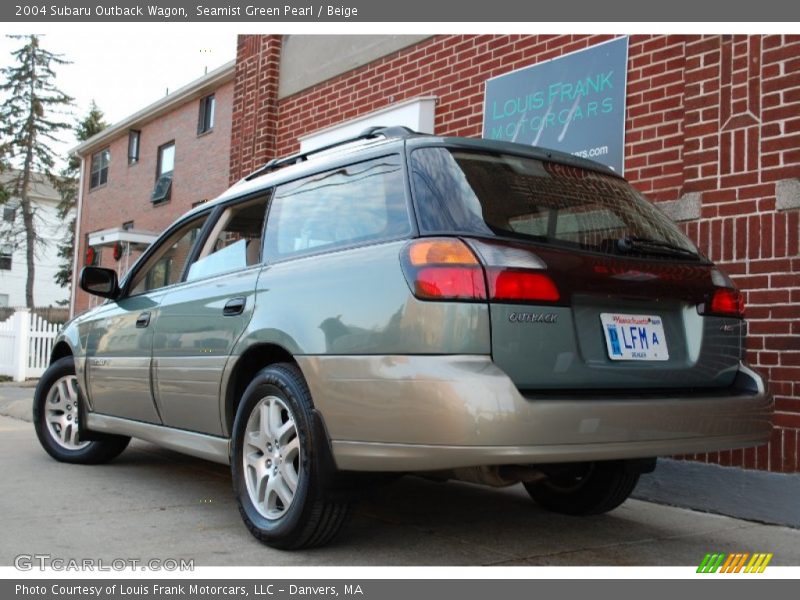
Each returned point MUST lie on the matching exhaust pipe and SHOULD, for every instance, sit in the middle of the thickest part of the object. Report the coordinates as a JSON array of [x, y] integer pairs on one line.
[[494, 476]]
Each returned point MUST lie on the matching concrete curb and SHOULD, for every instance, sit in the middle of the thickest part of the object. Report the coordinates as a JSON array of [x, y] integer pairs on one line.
[[744, 494], [16, 401], [28, 383]]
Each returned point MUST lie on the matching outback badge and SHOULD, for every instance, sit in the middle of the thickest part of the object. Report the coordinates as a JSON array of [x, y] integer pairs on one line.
[[526, 317]]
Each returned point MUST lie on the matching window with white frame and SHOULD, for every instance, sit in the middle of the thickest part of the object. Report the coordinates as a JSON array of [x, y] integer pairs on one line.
[[205, 121], [164, 169], [99, 168]]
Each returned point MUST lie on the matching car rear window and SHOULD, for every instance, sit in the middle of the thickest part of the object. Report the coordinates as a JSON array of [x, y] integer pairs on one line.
[[503, 195]]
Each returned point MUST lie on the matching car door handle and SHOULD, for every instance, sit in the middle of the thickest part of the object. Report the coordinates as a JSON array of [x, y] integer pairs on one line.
[[234, 306], [143, 320]]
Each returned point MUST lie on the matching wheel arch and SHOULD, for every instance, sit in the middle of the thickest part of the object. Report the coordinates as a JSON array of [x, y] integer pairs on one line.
[[241, 373], [60, 350]]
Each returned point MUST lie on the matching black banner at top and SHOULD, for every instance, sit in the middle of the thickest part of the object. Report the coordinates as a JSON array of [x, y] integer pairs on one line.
[[463, 11]]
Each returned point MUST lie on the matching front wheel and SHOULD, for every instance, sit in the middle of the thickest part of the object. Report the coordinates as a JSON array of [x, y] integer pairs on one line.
[[586, 489], [57, 419], [276, 464]]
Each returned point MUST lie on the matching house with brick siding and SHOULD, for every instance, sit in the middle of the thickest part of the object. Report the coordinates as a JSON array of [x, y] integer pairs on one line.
[[712, 135], [139, 175]]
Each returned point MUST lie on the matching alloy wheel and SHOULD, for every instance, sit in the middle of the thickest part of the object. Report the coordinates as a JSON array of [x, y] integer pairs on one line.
[[271, 457], [61, 413]]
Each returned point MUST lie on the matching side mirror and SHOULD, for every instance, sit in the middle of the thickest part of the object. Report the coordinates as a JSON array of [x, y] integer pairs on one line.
[[99, 281]]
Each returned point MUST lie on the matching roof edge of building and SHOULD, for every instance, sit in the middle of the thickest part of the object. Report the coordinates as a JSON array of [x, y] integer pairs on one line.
[[210, 80]]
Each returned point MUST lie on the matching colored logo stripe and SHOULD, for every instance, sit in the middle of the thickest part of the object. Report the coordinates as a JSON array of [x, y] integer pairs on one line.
[[711, 563], [758, 563], [726, 568], [733, 563]]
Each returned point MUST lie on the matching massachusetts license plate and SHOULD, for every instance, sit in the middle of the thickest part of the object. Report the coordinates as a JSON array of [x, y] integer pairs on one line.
[[634, 337]]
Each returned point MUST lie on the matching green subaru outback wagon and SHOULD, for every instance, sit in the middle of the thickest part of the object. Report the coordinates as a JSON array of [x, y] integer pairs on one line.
[[404, 303]]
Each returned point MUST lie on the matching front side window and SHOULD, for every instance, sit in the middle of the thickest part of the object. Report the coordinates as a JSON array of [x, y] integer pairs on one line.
[[6, 253], [205, 121], [164, 170], [234, 242], [353, 205], [488, 195], [99, 168], [165, 266], [133, 146]]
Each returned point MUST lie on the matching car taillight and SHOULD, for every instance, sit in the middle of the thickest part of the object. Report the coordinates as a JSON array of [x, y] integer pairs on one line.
[[450, 269], [515, 274], [724, 302], [443, 269], [514, 285]]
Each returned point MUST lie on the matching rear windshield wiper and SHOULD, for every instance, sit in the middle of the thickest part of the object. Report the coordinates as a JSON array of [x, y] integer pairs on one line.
[[634, 243]]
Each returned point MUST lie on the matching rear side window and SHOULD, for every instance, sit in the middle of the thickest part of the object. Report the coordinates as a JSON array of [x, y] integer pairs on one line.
[[511, 196], [353, 205]]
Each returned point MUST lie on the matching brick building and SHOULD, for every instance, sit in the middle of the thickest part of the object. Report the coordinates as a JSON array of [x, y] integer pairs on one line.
[[712, 134], [140, 174]]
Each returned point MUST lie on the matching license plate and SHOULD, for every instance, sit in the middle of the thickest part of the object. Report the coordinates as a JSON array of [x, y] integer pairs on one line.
[[634, 337]]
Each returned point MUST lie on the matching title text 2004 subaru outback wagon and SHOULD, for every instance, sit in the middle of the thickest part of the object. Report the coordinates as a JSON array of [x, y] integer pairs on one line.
[[406, 303]]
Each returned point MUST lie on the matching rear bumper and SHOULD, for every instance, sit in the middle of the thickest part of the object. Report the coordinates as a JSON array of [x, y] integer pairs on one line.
[[417, 413]]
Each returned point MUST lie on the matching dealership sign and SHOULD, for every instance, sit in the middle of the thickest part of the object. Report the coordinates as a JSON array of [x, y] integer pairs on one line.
[[574, 103]]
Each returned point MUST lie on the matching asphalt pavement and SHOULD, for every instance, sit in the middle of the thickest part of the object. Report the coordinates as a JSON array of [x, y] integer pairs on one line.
[[154, 503]]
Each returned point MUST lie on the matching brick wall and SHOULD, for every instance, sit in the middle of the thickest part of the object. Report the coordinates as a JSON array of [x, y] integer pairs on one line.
[[713, 132], [255, 103], [201, 173]]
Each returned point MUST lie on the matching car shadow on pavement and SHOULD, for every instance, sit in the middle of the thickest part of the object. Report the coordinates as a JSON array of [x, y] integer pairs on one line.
[[155, 502], [503, 522]]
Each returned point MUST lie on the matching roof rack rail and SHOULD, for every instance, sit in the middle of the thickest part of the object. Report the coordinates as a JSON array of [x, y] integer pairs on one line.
[[367, 134]]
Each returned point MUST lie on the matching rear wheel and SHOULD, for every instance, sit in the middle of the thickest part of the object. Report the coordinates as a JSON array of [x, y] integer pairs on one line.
[[277, 464], [57, 419], [586, 489]]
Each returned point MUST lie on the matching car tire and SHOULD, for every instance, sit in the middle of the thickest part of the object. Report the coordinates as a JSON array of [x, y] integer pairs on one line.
[[278, 465], [590, 489], [57, 410]]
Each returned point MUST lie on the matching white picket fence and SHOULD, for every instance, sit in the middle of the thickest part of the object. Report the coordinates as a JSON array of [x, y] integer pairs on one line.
[[26, 341]]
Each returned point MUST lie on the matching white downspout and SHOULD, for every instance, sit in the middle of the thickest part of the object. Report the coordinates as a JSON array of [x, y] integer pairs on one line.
[[77, 247]]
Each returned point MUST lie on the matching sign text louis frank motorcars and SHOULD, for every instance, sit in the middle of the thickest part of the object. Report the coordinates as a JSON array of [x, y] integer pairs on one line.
[[574, 103]]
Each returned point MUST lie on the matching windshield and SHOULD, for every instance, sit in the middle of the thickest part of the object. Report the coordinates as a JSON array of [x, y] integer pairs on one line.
[[503, 195]]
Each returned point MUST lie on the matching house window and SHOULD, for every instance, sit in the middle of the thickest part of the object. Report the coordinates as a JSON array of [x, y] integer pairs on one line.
[[9, 213], [133, 146], [205, 121], [127, 226], [99, 169], [5, 257], [166, 159], [166, 164]]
